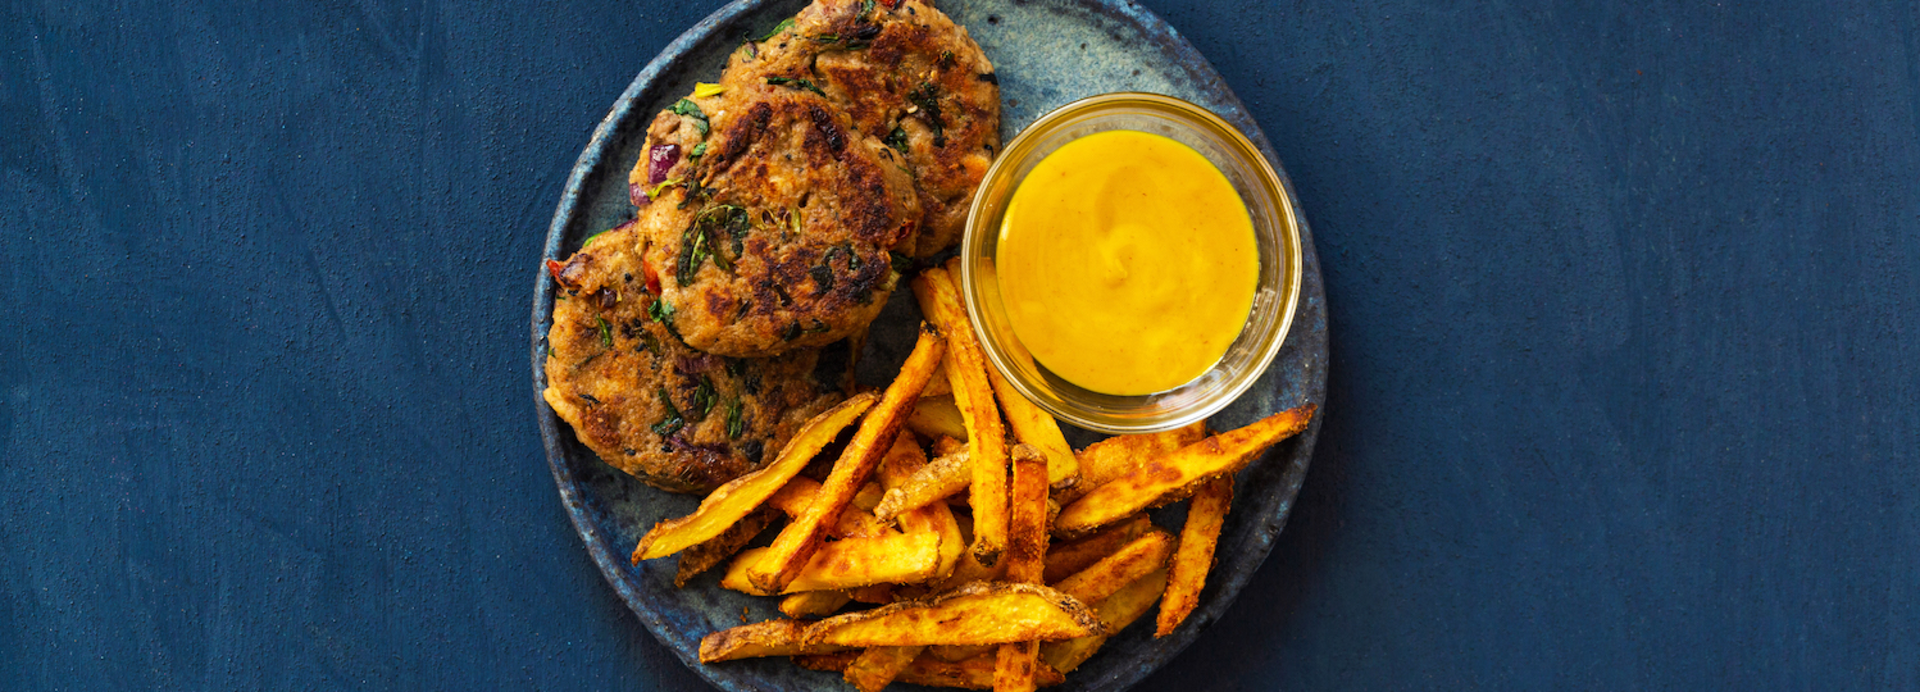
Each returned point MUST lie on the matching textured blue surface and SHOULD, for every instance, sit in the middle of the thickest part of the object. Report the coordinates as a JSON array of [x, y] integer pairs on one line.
[[1623, 306]]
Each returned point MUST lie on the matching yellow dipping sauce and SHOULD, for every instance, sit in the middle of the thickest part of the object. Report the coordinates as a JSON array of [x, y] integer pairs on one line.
[[1127, 263]]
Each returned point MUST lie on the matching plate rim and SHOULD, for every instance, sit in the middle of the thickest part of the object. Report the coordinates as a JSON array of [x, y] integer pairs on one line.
[[1206, 79]]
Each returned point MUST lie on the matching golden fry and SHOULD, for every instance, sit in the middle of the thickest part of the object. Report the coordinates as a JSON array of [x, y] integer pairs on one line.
[[739, 497], [986, 435], [978, 613], [814, 604], [1025, 559], [875, 667], [1218, 455], [1194, 559], [789, 554], [938, 417], [847, 564], [702, 557], [1064, 558], [1038, 428], [1116, 612], [1117, 456], [973, 673], [760, 639], [939, 479], [1145, 554]]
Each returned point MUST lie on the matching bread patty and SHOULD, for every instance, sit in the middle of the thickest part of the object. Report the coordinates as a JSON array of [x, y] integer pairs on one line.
[[904, 73], [635, 394], [779, 236]]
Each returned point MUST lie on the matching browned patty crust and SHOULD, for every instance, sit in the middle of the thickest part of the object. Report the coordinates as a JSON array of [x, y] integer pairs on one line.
[[779, 237], [648, 404], [904, 73]]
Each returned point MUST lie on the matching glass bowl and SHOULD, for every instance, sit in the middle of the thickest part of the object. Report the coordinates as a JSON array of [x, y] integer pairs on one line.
[[1277, 240]]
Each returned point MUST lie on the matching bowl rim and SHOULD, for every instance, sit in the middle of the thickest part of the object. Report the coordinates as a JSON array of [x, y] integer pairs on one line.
[[1286, 224]]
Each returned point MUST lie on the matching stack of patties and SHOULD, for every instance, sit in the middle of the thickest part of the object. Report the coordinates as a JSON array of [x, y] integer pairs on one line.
[[773, 206]]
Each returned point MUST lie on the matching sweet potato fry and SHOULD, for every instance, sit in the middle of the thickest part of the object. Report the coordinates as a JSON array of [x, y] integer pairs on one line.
[[1218, 455], [1064, 558], [986, 435], [847, 564], [1194, 559], [1026, 551], [814, 604], [937, 417], [702, 557], [974, 673], [875, 667], [960, 652], [1116, 612], [1036, 427], [979, 613], [1120, 455], [938, 386], [1137, 559], [739, 497], [790, 552], [760, 639], [1027, 512], [793, 498], [939, 479]]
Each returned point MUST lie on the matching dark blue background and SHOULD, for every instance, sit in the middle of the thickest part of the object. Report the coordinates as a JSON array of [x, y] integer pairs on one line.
[[1623, 306]]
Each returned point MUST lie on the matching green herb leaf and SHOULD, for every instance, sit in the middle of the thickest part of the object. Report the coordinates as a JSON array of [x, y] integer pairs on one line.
[[927, 98], [606, 332], [591, 238], [704, 398], [662, 187], [795, 83], [692, 110], [736, 422], [897, 139], [699, 150], [672, 422], [778, 29]]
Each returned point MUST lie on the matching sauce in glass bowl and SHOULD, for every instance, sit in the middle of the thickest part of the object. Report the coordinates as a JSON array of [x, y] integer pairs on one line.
[[1127, 262]]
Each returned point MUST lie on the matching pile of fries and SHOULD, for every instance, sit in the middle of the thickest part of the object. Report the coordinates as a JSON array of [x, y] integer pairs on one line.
[[1049, 554]]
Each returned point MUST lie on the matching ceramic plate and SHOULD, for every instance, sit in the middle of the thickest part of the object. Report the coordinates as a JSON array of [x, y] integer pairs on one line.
[[1046, 53]]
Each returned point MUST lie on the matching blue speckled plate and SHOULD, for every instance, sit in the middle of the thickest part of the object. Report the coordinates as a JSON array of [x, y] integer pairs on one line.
[[1047, 53]]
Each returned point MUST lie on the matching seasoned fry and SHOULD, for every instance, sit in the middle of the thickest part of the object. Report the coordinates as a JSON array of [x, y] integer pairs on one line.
[[794, 497], [702, 557], [739, 497], [974, 673], [1116, 612], [947, 444], [1137, 559], [1027, 510], [1016, 667], [986, 436], [1117, 456], [939, 479], [760, 639], [979, 613], [814, 604], [960, 652], [898, 468], [1218, 455], [875, 667], [1026, 550], [834, 662], [1194, 559], [1067, 557], [938, 386], [938, 417], [790, 551], [847, 564], [1038, 428]]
